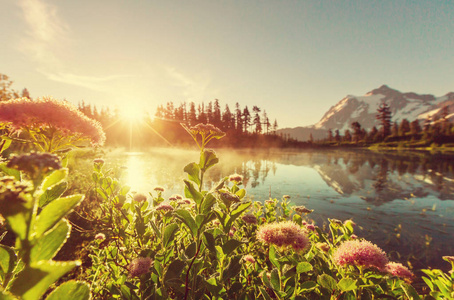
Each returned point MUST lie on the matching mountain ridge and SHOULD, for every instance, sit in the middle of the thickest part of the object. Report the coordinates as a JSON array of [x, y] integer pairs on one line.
[[363, 109]]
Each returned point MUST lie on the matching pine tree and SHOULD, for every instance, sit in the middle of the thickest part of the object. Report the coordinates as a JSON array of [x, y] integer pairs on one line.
[[257, 122], [404, 127], [275, 127], [384, 116], [238, 118], [6, 92], [192, 116], [246, 119]]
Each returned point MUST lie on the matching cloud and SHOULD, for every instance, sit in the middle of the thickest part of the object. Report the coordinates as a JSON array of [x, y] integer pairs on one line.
[[46, 32], [196, 87], [94, 83]]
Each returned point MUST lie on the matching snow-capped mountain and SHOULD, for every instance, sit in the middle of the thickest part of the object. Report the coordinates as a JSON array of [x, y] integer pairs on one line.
[[363, 109]]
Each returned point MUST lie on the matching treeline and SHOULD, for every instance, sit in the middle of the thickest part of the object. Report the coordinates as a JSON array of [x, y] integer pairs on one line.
[[240, 120], [243, 128], [435, 130]]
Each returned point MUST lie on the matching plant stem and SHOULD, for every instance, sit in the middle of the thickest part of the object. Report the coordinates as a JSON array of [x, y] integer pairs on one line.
[[189, 270]]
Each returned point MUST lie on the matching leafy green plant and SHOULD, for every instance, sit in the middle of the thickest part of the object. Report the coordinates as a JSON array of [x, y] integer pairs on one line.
[[35, 211]]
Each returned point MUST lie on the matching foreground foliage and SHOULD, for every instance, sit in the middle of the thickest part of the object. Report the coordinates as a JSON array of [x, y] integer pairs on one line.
[[211, 243]]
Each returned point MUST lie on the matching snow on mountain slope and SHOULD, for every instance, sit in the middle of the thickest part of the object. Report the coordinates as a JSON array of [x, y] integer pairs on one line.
[[363, 109]]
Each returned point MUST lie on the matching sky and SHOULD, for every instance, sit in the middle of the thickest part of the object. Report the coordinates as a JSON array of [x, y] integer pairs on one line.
[[294, 59]]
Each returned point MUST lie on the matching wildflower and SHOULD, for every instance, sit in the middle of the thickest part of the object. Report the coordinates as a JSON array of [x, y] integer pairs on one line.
[[159, 189], [47, 112], [184, 201], [13, 191], [139, 266], [249, 219], [303, 210], [249, 258], [165, 207], [271, 202], [177, 197], [360, 253], [323, 246], [207, 132], [286, 197], [139, 197], [284, 234], [310, 227], [236, 178], [99, 161], [100, 236], [353, 236], [35, 164], [397, 269]]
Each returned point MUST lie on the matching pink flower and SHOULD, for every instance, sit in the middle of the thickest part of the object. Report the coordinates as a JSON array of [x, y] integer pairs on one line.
[[284, 234], [140, 197], [249, 258], [100, 236], [310, 227], [236, 178], [397, 269], [139, 266], [47, 112], [164, 207], [360, 253]]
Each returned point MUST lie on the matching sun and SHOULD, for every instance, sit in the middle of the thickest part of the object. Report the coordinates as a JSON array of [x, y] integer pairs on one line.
[[132, 112]]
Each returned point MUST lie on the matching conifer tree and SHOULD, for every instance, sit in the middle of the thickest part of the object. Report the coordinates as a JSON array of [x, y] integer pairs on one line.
[[384, 116]]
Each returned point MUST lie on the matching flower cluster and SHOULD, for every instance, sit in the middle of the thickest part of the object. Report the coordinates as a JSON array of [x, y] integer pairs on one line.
[[397, 269], [35, 164], [165, 207], [249, 258], [139, 266], [303, 210], [207, 132], [47, 112], [12, 190], [360, 253], [284, 234], [139, 197], [236, 177]]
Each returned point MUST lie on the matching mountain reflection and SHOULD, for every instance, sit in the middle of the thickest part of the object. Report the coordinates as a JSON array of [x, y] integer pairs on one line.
[[383, 177]]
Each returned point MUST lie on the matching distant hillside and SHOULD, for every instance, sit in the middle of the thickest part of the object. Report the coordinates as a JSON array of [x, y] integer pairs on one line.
[[363, 109]]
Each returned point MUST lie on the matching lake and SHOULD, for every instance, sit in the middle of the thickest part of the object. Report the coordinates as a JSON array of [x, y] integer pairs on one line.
[[401, 201]]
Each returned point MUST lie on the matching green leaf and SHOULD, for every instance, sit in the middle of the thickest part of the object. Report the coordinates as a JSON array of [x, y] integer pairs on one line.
[[48, 245], [54, 212], [18, 213], [169, 234], [208, 201], [347, 284], [52, 193], [71, 290], [191, 192], [10, 172], [191, 250], [327, 282], [275, 280], [8, 260], [187, 219], [207, 159], [308, 285], [175, 270], [232, 269], [212, 286], [230, 246], [303, 267], [410, 291], [264, 294], [54, 178], [272, 256], [193, 171], [36, 278], [209, 241], [241, 193]]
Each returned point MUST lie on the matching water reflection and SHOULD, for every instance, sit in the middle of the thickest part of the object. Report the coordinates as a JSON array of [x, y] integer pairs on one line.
[[401, 201]]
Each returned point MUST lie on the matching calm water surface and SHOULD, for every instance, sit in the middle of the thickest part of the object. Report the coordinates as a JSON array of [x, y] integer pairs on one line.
[[403, 202]]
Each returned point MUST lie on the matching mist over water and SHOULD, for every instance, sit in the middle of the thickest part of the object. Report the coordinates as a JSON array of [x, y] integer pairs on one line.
[[403, 202]]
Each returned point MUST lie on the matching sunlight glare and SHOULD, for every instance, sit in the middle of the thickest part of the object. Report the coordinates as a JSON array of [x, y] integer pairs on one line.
[[132, 112], [135, 177]]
